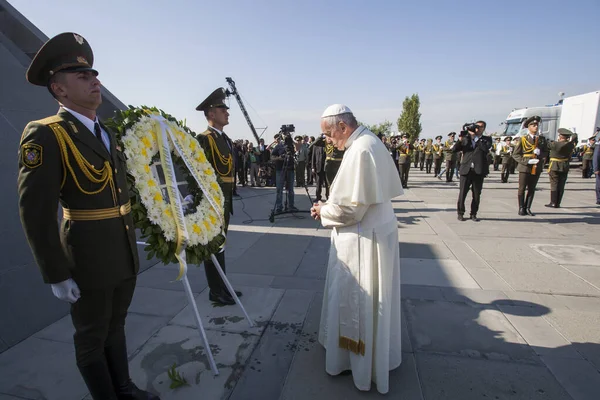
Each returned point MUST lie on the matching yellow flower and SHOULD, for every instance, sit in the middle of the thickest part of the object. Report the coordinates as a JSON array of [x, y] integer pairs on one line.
[[196, 228], [147, 169], [213, 220], [158, 197], [214, 185], [207, 225], [208, 171], [168, 212], [144, 153], [201, 158], [146, 142], [151, 182]]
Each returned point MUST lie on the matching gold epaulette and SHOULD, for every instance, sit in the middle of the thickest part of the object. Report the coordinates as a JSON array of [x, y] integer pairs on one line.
[[49, 120]]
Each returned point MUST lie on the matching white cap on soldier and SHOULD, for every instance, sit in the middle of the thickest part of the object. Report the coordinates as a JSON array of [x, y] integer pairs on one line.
[[336, 109]]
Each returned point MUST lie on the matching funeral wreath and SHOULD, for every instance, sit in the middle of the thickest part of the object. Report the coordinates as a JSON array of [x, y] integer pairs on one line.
[[139, 131]]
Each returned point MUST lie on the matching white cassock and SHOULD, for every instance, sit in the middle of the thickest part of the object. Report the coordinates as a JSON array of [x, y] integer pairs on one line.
[[360, 319]]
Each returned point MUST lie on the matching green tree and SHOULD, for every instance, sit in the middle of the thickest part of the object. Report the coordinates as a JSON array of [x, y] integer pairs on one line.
[[383, 127], [410, 120]]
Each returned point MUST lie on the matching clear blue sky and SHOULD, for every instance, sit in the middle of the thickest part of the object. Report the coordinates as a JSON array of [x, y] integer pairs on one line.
[[290, 59]]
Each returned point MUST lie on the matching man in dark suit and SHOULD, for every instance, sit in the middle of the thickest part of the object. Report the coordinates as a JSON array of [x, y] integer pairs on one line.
[[91, 261], [318, 166], [219, 151], [474, 167], [596, 167]]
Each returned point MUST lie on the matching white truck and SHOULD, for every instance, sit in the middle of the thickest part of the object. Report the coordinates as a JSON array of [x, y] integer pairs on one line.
[[580, 114]]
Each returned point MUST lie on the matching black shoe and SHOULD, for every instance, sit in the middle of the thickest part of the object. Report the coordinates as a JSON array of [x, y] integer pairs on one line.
[[474, 218], [292, 209], [237, 293], [522, 211], [132, 392], [222, 298], [461, 217], [551, 205], [98, 380], [529, 212]]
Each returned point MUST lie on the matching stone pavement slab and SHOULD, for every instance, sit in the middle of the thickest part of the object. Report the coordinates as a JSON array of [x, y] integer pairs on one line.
[[463, 329], [267, 370], [164, 277], [182, 347], [435, 273], [144, 302], [260, 303], [543, 278], [579, 378], [590, 274], [452, 378], [569, 254], [41, 369]]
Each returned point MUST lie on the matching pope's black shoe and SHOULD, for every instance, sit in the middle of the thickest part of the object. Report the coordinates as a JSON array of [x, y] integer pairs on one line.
[[221, 298]]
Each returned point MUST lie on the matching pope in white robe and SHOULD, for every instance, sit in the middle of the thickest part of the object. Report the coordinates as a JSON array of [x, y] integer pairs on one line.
[[360, 319]]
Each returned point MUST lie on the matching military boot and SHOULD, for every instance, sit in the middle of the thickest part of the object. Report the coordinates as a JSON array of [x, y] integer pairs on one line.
[[553, 200], [521, 198], [98, 380], [528, 202], [118, 365]]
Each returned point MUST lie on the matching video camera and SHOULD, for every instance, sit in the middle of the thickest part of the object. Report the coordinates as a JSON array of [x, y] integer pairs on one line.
[[287, 129], [467, 128]]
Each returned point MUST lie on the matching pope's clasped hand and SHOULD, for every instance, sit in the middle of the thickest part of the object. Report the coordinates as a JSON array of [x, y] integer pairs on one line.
[[66, 290]]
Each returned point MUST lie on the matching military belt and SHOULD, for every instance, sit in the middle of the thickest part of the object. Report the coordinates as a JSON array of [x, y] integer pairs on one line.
[[559, 159], [333, 159], [97, 214], [227, 179], [528, 155]]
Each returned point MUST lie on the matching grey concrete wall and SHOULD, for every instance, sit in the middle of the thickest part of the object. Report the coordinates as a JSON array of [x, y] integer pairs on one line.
[[26, 303]]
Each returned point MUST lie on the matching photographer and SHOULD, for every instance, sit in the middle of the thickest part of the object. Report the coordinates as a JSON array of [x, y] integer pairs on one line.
[[474, 165], [283, 156]]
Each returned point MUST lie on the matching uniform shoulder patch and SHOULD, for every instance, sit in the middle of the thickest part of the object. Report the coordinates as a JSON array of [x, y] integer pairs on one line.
[[31, 155]]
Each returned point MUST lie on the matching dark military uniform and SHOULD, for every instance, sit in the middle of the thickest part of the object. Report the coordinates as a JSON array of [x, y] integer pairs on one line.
[[421, 151], [428, 150], [318, 164], [438, 151], [497, 157], [63, 161], [218, 149], [560, 157], [506, 155], [587, 156], [529, 174], [404, 152], [451, 157], [333, 160]]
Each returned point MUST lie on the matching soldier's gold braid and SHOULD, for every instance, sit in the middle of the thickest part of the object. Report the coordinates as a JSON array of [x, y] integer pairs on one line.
[[527, 147], [105, 176], [226, 161]]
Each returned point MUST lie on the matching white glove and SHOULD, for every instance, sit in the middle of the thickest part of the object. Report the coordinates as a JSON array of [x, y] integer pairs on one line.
[[536, 152], [66, 290], [533, 161]]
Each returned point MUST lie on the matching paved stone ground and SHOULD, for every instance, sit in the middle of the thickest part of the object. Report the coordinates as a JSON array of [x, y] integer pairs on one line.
[[504, 308]]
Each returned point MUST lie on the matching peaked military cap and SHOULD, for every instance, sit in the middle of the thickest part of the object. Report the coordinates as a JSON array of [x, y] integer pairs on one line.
[[498, 139], [429, 140], [592, 137], [564, 132], [214, 100], [405, 135], [422, 140], [452, 134], [67, 52], [438, 137], [507, 138], [530, 120]]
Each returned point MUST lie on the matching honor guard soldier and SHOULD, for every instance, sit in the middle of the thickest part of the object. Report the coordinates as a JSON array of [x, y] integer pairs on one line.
[[587, 154], [91, 261], [496, 153], [219, 153], [428, 156], [529, 151], [332, 161], [421, 148], [506, 155], [451, 156], [405, 150], [438, 151], [560, 156]]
